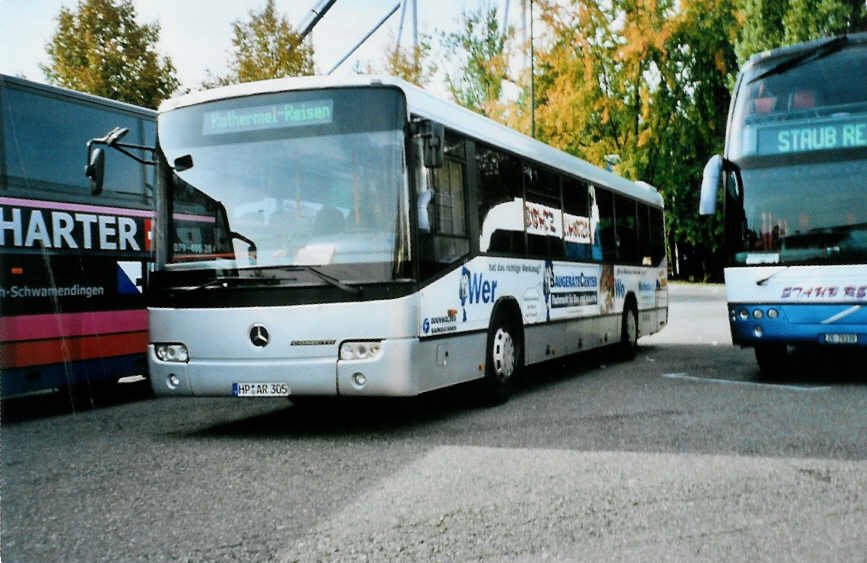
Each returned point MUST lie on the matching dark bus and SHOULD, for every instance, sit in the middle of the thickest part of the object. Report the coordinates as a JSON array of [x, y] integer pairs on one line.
[[73, 266]]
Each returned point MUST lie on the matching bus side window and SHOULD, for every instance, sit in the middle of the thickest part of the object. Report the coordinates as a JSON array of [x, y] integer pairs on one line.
[[606, 241], [627, 234], [444, 197], [657, 236], [542, 214], [576, 220], [645, 243], [501, 203]]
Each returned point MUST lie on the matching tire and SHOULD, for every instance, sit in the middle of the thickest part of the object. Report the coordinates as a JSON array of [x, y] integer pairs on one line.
[[629, 332], [502, 361], [771, 359]]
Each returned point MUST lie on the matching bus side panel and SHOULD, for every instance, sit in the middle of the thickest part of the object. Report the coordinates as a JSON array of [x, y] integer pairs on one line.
[[566, 307]]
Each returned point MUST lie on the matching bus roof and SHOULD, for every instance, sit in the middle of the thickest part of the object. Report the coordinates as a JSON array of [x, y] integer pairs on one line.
[[59, 91], [451, 115]]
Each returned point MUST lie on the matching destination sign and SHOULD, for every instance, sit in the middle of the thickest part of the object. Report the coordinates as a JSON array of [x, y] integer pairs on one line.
[[277, 116], [828, 135]]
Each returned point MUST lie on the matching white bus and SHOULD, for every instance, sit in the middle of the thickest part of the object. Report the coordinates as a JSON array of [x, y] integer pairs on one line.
[[795, 197], [360, 237]]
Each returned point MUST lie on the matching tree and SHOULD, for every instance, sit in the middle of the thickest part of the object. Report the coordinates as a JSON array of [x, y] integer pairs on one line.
[[769, 24], [413, 64], [265, 46], [646, 80], [482, 65], [100, 48]]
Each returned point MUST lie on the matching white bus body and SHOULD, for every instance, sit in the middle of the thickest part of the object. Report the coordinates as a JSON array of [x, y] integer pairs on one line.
[[225, 334]]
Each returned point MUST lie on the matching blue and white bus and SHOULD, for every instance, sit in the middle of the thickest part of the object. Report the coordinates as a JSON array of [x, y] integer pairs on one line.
[[360, 237], [73, 266], [794, 178]]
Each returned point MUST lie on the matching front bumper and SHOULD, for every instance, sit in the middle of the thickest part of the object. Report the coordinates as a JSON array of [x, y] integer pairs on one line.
[[389, 374], [839, 324]]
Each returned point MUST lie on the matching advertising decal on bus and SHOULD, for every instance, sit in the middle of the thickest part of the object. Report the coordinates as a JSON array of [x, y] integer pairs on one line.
[[565, 290], [31, 225]]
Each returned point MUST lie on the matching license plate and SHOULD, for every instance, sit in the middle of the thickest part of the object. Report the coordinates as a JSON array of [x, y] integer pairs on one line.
[[841, 339], [260, 389]]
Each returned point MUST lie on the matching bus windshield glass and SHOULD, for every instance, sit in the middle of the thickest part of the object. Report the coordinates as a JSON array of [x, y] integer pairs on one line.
[[799, 136], [297, 179]]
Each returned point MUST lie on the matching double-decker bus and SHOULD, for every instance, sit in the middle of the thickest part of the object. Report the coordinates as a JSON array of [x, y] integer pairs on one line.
[[360, 237], [72, 265], [794, 176]]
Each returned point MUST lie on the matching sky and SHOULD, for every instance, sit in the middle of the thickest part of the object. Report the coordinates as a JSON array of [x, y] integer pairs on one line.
[[196, 34]]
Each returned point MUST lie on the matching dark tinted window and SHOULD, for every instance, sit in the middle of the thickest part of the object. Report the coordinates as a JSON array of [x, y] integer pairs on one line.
[[645, 243], [44, 142], [627, 233], [543, 215], [576, 220], [604, 239], [446, 239], [501, 202], [657, 236]]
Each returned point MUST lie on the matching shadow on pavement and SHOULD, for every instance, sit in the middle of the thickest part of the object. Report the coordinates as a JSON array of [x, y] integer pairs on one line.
[[72, 400]]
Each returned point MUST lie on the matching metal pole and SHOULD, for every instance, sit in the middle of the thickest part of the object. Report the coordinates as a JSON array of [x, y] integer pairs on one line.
[[316, 14], [363, 39], [532, 80], [415, 24], [400, 28]]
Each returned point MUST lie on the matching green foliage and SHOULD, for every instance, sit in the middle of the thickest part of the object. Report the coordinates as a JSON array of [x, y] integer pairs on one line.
[[265, 46], [774, 23], [478, 49], [646, 80], [100, 48], [413, 64]]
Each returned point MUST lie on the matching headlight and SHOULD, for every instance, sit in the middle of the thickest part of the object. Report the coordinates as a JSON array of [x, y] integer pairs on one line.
[[360, 350], [772, 313], [758, 314], [172, 352]]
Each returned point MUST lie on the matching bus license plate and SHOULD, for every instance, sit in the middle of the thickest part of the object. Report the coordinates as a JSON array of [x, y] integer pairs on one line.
[[841, 339], [260, 389]]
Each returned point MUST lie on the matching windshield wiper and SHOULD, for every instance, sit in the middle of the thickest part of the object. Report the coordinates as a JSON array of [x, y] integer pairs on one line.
[[817, 52], [763, 281], [328, 279], [226, 281]]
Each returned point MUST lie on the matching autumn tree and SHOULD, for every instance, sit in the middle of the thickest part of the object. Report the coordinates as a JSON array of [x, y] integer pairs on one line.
[[411, 63], [647, 81], [480, 60], [768, 24], [265, 46], [99, 47]]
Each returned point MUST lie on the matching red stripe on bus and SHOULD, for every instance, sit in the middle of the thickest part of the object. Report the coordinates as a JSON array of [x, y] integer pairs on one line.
[[41, 327], [41, 352]]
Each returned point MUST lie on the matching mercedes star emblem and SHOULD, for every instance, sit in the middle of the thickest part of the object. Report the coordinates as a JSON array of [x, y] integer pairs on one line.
[[259, 336]]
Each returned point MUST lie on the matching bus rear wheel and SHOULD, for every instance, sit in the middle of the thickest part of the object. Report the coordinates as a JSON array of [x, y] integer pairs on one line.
[[502, 361], [629, 332]]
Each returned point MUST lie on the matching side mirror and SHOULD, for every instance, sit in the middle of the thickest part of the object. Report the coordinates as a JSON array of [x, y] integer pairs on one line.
[[183, 163], [710, 185], [433, 135], [95, 170]]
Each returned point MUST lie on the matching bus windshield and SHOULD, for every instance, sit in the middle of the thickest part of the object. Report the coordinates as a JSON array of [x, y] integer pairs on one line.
[[311, 178], [799, 136]]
